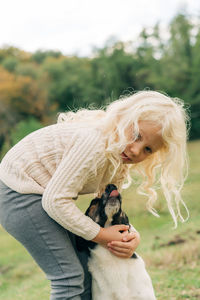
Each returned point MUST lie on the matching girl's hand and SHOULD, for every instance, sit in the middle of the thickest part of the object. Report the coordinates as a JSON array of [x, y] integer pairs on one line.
[[107, 235], [127, 247]]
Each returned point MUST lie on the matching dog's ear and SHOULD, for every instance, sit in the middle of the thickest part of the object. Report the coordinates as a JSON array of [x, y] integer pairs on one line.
[[92, 209], [121, 218]]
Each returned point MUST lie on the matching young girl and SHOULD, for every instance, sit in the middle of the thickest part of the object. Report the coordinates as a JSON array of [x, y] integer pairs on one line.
[[44, 173]]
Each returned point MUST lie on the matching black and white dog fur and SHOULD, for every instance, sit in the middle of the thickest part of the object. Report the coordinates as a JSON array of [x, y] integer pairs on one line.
[[114, 278]]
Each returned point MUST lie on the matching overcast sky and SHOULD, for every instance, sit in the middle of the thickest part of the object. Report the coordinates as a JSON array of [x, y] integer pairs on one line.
[[75, 26]]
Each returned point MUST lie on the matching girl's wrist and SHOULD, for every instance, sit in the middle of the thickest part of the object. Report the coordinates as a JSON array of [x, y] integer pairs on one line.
[[100, 237]]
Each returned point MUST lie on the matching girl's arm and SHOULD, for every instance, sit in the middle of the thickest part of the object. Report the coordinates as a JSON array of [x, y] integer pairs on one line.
[[75, 169]]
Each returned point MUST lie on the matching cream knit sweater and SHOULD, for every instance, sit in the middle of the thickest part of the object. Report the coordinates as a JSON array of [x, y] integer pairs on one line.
[[60, 162]]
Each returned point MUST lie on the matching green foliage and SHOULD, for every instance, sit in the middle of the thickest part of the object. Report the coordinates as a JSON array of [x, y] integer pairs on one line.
[[21, 129], [11, 52], [10, 63], [27, 69], [178, 57], [39, 56], [114, 71], [69, 81]]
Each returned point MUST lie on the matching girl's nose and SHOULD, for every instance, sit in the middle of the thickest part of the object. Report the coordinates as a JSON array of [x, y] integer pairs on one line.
[[136, 149]]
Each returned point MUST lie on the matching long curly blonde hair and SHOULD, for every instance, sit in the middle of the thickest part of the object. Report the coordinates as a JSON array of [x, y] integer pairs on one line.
[[168, 167]]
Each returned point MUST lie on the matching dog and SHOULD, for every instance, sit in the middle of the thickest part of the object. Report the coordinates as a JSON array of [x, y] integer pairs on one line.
[[114, 278]]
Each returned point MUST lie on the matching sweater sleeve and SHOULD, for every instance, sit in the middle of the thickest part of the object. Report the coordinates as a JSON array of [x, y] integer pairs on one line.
[[72, 174]]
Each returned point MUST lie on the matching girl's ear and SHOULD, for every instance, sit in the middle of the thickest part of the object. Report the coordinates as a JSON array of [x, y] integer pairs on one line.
[[92, 209]]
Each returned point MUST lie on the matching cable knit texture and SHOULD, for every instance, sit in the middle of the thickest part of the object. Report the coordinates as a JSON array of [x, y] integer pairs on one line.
[[60, 162]]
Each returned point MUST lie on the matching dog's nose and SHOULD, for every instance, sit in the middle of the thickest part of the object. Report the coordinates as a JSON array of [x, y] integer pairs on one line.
[[114, 193]]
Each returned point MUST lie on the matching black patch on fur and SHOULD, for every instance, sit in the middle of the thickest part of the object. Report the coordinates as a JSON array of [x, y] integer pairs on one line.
[[134, 256]]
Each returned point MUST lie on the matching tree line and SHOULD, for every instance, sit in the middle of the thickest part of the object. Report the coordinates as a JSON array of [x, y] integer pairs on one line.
[[34, 87]]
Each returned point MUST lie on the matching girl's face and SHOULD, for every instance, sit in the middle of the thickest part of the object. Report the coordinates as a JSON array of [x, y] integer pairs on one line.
[[148, 141]]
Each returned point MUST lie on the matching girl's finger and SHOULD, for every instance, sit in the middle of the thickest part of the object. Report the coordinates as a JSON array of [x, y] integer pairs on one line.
[[118, 244], [125, 233], [120, 250], [130, 236], [120, 254]]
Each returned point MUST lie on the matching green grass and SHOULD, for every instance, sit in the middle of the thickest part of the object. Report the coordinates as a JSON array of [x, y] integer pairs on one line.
[[174, 269]]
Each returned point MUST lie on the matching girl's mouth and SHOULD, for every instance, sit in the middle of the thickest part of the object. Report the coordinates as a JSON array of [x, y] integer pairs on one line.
[[125, 157]]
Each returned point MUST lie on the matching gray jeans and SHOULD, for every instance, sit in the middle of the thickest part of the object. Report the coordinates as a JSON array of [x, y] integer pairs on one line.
[[52, 247]]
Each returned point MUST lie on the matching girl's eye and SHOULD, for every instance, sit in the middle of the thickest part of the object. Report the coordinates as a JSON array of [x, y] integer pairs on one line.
[[147, 149]]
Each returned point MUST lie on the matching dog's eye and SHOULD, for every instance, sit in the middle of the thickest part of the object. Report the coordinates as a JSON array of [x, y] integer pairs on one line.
[[104, 201]]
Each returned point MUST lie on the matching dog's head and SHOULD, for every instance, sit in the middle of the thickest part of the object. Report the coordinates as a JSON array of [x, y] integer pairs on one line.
[[106, 211]]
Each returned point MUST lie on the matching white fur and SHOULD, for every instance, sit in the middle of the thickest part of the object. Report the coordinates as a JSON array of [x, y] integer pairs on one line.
[[115, 278]]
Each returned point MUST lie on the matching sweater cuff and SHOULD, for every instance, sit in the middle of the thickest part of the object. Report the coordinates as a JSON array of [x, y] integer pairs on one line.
[[94, 230]]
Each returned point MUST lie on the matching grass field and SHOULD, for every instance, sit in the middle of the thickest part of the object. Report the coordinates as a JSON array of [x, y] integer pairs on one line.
[[172, 256]]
